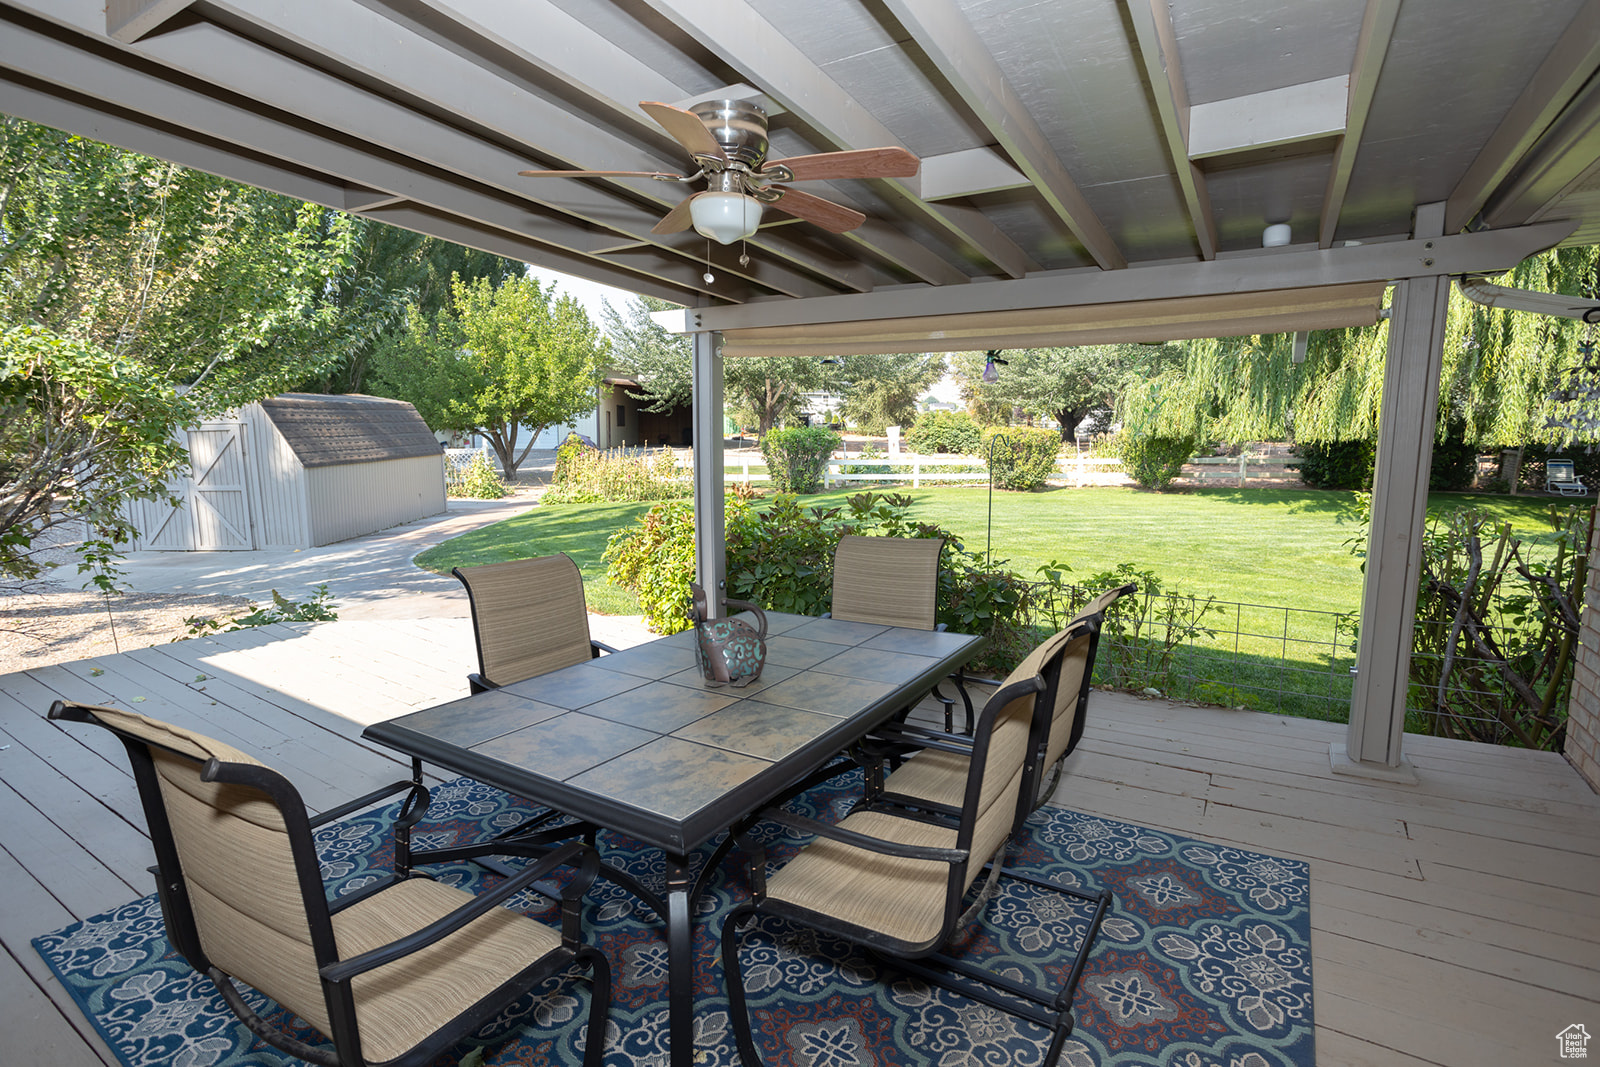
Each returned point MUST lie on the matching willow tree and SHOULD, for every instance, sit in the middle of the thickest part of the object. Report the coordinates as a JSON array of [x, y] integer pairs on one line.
[[1500, 371]]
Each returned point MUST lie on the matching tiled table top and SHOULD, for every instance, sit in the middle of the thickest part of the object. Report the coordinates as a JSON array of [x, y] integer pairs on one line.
[[636, 741]]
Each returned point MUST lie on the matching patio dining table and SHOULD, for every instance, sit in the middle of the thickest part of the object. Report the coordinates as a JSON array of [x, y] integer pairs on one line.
[[636, 742]]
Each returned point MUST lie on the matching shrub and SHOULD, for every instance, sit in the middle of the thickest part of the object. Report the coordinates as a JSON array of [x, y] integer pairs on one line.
[[945, 431], [797, 459], [655, 559], [477, 479], [781, 557], [1154, 462], [1454, 465], [1021, 457], [1335, 465], [566, 454], [589, 476]]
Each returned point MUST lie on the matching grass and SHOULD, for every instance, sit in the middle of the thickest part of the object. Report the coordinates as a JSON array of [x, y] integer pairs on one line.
[[579, 530], [1283, 548]]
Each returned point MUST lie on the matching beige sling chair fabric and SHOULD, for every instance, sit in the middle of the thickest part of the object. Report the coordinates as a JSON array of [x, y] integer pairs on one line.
[[529, 618], [242, 895], [891, 581]]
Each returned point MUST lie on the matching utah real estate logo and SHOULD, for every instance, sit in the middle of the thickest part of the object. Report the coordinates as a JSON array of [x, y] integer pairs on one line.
[[1574, 1042]]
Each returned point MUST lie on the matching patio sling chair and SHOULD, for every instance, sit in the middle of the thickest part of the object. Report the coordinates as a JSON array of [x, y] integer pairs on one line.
[[935, 776], [396, 973], [1560, 476], [891, 581], [528, 618], [895, 880]]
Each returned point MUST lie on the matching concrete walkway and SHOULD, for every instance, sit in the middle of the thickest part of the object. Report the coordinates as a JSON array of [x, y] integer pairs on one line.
[[370, 577]]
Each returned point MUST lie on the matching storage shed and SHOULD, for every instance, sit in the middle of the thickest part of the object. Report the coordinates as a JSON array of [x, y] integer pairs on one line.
[[299, 470]]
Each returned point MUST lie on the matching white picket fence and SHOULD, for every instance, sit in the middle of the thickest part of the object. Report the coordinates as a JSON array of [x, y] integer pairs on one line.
[[1079, 470]]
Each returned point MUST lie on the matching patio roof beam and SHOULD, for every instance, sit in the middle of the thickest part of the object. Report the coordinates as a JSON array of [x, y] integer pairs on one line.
[[1157, 45], [129, 20], [1372, 46], [1289, 268], [31, 53], [943, 33], [383, 50], [232, 60], [753, 45], [1569, 66]]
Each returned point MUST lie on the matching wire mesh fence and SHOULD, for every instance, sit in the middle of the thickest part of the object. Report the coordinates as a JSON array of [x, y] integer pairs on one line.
[[1291, 661]]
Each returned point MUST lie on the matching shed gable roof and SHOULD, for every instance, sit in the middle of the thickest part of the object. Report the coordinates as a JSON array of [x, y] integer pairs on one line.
[[327, 430]]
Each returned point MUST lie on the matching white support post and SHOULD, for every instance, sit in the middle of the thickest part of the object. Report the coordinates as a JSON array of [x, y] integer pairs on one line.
[[710, 546], [1394, 549]]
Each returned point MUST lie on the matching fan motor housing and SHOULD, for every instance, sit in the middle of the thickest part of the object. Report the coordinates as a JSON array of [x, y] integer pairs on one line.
[[740, 127]]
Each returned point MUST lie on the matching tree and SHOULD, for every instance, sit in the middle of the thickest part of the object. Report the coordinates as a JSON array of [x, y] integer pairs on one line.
[[496, 361], [762, 391], [1067, 385], [124, 279], [209, 284], [1500, 369], [661, 361], [388, 270], [83, 433], [882, 390]]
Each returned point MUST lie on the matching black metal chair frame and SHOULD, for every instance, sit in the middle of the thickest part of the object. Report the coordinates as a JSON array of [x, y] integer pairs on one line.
[[925, 960], [337, 974]]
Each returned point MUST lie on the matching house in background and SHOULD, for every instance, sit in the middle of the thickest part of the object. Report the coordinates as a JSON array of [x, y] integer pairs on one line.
[[297, 471], [619, 420]]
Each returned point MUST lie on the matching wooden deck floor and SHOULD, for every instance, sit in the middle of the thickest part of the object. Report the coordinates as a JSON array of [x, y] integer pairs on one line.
[[1455, 922]]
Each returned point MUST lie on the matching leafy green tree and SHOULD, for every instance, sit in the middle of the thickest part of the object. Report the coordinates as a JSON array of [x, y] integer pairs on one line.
[[1500, 368], [388, 270], [762, 391], [882, 391], [82, 433], [1067, 385], [124, 279], [497, 361], [661, 361]]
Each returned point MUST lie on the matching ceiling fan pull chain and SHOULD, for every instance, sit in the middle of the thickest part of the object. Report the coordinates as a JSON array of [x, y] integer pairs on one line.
[[744, 253], [709, 277]]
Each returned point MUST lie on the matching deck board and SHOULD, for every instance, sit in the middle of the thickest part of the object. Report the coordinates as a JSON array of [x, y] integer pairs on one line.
[[1454, 922]]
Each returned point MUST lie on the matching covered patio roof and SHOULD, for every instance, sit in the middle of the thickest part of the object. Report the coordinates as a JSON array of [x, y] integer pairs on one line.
[[1062, 142], [1090, 170]]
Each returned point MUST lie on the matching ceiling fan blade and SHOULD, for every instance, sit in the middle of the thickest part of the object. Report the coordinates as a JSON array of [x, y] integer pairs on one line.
[[687, 129], [861, 163], [661, 175], [825, 213], [677, 220]]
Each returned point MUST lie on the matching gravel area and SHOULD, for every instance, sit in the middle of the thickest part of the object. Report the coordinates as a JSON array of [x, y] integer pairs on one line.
[[56, 620], [57, 624]]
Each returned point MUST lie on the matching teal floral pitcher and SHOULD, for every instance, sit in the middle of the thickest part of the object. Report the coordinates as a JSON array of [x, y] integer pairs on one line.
[[729, 651]]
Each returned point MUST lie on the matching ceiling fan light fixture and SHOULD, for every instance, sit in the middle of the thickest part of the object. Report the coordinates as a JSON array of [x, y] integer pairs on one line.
[[725, 217]]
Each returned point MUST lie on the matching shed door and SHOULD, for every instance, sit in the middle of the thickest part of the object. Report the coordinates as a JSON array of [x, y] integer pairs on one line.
[[219, 499]]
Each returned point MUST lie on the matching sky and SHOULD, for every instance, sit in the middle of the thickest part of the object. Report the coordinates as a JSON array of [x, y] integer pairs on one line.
[[589, 294]]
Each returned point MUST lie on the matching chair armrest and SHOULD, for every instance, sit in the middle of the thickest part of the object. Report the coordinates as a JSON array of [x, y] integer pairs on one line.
[[907, 736], [865, 841], [352, 806], [344, 970], [597, 647], [477, 683]]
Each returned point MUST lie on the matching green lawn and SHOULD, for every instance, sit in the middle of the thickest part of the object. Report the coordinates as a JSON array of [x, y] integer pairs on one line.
[[1283, 548], [1279, 547], [579, 530]]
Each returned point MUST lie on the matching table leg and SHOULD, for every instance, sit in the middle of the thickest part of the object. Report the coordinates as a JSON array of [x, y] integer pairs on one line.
[[680, 962]]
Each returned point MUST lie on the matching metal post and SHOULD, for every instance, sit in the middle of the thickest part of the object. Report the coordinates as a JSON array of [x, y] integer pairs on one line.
[[710, 548], [1399, 512]]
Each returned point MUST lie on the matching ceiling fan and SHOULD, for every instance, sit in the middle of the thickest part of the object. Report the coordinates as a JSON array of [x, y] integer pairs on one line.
[[728, 140]]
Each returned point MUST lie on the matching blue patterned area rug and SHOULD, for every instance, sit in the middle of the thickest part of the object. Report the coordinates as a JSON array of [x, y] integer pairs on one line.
[[1205, 961]]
